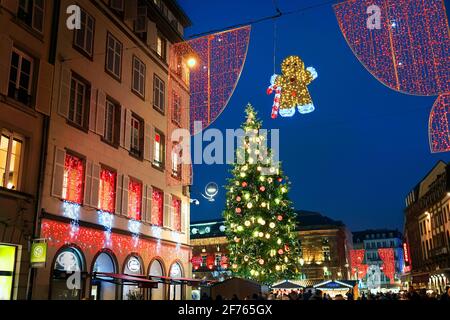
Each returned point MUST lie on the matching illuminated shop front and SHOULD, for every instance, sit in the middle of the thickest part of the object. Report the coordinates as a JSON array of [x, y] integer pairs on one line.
[[9, 267]]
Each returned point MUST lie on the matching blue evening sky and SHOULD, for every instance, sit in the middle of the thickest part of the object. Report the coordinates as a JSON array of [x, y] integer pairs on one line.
[[364, 148]]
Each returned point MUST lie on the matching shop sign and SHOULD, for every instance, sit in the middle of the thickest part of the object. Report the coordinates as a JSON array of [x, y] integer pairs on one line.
[[38, 254]]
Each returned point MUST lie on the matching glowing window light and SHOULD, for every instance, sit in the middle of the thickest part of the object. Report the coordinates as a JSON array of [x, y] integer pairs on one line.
[[438, 126], [107, 192], [134, 199], [73, 179], [413, 32], [157, 207]]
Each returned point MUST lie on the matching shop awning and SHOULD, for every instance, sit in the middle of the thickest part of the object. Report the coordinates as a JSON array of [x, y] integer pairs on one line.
[[187, 281], [124, 279], [287, 285], [333, 285]]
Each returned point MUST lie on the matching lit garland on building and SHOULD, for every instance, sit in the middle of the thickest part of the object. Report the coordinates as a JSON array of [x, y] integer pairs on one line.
[[92, 241], [387, 255], [357, 263], [73, 179], [413, 41], [438, 128], [259, 219], [134, 199], [176, 204], [107, 194]]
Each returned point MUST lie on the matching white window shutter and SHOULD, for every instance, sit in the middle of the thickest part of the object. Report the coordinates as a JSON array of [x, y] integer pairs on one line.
[[148, 205], [152, 34], [95, 185], [88, 184], [148, 145], [58, 172], [64, 92], [126, 180], [45, 85], [184, 215], [119, 194], [144, 203], [93, 109], [152, 143], [6, 45], [122, 127], [11, 5], [127, 136], [167, 211], [101, 106], [130, 9]]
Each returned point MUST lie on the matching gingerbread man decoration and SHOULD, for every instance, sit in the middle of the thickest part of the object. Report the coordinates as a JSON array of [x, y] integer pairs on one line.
[[291, 88]]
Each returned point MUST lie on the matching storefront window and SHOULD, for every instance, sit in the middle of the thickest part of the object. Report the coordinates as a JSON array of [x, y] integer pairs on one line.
[[67, 275], [107, 194], [73, 179], [7, 266], [157, 270], [175, 289], [133, 267], [102, 290], [134, 199]]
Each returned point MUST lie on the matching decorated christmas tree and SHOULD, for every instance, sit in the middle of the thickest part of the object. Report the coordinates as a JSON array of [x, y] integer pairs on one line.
[[259, 218]]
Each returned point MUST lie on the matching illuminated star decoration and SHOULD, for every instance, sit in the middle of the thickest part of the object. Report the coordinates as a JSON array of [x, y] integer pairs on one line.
[[439, 133], [409, 53]]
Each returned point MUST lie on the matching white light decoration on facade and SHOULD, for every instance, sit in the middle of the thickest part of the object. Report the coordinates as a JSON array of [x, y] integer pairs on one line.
[[222, 228], [105, 219], [71, 210], [134, 226]]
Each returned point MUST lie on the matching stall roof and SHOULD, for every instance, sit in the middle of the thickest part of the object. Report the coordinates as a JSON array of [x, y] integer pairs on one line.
[[124, 279], [335, 284], [287, 285]]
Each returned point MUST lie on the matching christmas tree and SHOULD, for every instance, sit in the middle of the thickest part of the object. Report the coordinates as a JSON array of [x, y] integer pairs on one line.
[[259, 218]]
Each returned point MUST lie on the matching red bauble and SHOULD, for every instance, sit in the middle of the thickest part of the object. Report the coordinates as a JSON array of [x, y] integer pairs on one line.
[[280, 217], [280, 179], [238, 199], [280, 251], [238, 210], [262, 188], [286, 248], [244, 184]]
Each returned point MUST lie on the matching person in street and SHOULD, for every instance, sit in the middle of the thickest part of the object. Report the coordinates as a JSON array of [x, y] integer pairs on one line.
[[446, 295]]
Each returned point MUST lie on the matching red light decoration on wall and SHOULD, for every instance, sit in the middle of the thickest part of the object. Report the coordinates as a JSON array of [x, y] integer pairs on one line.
[[107, 194], [388, 257], [438, 126], [210, 260], [73, 179], [357, 262], [157, 207], [134, 199], [196, 262], [176, 203], [406, 253], [409, 53], [224, 262], [92, 241]]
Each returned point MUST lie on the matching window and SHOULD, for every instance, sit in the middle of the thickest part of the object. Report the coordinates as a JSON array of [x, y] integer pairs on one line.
[[138, 82], [73, 183], [137, 131], [176, 113], [11, 154], [326, 253], [32, 13], [161, 45], [107, 193], [112, 122], [176, 204], [20, 77], [176, 160], [67, 261], [157, 207], [159, 89], [114, 56], [79, 102], [84, 37], [134, 199], [117, 5], [158, 150]]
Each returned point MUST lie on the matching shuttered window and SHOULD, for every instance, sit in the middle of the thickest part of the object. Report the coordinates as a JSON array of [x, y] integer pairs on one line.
[[73, 181], [114, 56], [84, 37]]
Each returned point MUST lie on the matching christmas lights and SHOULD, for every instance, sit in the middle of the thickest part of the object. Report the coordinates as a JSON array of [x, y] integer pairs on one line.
[[357, 262], [73, 179], [176, 204], [388, 257], [134, 199], [438, 127], [409, 52], [157, 207], [107, 192]]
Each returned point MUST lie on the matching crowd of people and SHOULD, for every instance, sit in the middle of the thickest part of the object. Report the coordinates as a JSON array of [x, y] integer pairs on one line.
[[311, 295]]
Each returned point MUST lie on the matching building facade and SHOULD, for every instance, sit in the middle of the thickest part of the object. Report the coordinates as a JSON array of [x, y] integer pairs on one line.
[[25, 89], [325, 244], [108, 197], [427, 230], [374, 243]]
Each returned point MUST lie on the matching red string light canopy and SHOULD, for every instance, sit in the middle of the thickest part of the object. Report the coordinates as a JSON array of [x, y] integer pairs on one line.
[[438, 128], [388, 258], [409, 52]]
